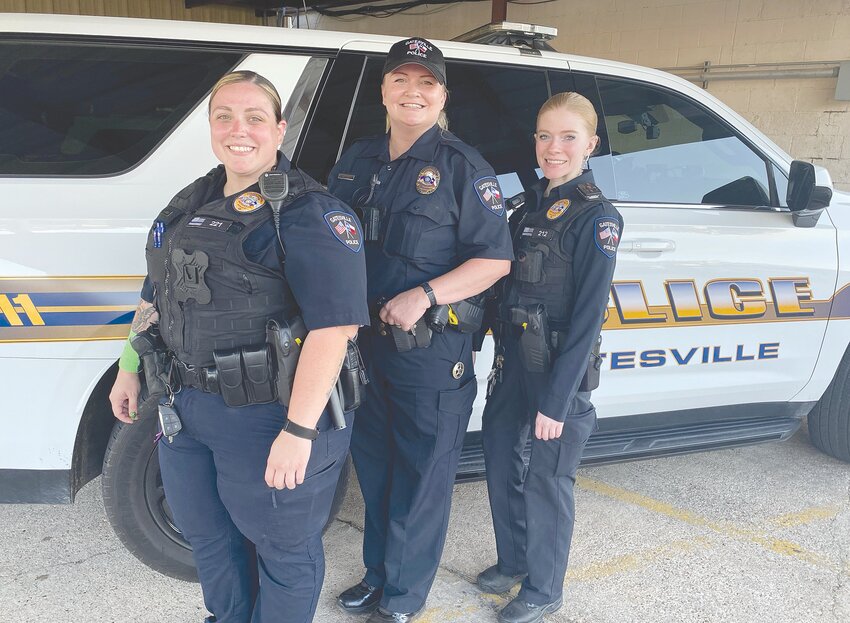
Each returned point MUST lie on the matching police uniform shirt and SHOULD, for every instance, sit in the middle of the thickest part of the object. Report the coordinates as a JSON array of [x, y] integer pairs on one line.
[[326, 273], [441, 205], [592, 270]]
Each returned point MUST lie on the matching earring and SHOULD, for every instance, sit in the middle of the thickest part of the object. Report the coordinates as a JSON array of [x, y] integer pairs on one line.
[[586, 164]]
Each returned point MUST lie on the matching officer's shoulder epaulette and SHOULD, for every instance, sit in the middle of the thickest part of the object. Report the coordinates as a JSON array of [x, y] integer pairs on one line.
[[471, 154]]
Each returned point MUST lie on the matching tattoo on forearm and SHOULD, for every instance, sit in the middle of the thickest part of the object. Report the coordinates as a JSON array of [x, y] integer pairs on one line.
[[335, 376], [146, 315]]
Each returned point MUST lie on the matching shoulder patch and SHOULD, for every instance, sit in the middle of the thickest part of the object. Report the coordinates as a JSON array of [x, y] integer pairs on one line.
[[490, 194], [345, 229], [557, 209], [248, 202], [589, 191], [606, 235]]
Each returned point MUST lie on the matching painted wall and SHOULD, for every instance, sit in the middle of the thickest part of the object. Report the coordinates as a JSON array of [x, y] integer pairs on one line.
[[158, 9]]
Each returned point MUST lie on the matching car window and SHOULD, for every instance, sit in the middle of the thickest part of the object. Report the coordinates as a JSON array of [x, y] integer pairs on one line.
[[666, 149], [83, 110], [493, 108]]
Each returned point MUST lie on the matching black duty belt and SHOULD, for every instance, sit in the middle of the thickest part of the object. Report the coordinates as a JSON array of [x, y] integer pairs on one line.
[[203, 378]]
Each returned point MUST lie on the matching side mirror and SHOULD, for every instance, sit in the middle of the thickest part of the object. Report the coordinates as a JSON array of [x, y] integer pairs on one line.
[[809, 192]]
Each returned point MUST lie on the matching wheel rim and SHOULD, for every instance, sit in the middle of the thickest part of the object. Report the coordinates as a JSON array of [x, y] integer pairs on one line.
[[157, 504]]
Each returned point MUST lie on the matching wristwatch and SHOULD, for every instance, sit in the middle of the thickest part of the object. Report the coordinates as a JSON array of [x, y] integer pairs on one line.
[[430, 292], [299, 431]]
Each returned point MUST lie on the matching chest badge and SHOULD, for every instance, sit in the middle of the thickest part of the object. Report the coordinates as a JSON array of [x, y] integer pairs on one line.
[[557, 209], [457, 370], [248, 202], [427, 181]]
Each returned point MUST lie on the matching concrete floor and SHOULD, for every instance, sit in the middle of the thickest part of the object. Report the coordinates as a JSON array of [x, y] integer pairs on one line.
[[750, 534]]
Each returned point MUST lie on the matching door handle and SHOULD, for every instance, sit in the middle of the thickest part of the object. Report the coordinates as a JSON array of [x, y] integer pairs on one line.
[[647, 245]]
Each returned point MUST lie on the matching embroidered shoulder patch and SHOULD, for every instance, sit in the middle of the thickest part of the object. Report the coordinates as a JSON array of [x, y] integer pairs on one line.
[[557, 209], [606, 234], [248, 202], [345, 229], [490, 194]]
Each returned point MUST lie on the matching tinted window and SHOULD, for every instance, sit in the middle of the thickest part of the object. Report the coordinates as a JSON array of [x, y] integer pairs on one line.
[[666, 149], [68, 109], [491, 108]]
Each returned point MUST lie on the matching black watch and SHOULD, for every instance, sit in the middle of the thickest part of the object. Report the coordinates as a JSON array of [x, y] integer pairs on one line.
[[430, 292], [299, 431]]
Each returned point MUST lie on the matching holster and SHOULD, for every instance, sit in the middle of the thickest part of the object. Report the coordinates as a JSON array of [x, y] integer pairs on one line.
[[245, 375], [285, 340], [352, 377], [534, 346], [590, 380], [419, 336], [156, 360], [466, 316]]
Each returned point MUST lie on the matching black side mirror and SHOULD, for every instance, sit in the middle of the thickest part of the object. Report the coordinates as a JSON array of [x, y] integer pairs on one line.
[[806, 199]]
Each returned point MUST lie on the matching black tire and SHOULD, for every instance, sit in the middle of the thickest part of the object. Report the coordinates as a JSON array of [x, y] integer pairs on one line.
[[829, 420], [135, 500]]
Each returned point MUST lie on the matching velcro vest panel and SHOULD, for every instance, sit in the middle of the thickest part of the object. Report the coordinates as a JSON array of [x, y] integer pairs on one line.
[[208, 294], [542, 272]]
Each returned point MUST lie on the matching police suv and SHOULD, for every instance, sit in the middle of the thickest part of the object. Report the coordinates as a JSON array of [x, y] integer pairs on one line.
[[729, 315]]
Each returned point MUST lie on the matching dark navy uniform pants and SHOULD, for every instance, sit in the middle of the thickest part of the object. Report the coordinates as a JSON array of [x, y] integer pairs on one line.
[[214, 478], [534, 510], [406, 443]]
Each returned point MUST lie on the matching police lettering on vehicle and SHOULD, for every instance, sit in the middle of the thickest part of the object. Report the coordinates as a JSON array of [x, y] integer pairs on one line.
[[488, 191], [558, 209], [248, 202], [607, 235], [345, 229], [428, 180]]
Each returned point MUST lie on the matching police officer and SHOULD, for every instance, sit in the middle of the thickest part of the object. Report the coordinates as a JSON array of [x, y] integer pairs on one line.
[[219, 268], [436, 234], [551, 312]]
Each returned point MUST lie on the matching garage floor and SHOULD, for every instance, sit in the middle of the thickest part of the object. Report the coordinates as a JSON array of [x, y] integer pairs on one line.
[[750, 534]]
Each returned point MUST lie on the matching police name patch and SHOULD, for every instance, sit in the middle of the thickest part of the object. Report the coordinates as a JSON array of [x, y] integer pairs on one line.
[[558, 209], [427, 181], [607, 235], [345, 229], [248, 202], [490, 194], [207, 222]]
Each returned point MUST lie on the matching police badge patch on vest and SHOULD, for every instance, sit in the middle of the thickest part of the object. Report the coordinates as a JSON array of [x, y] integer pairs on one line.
[[558, 209], [427, 181], [607, 235], [248, 202], [490, 194], [345, 229]]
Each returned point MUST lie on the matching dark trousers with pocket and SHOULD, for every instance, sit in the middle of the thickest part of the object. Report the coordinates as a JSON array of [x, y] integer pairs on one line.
[[533, 509], [214, 478], [406, 443]]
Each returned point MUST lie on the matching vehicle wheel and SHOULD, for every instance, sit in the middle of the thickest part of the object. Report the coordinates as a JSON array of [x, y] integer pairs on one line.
[[829, 420], [135, 499]]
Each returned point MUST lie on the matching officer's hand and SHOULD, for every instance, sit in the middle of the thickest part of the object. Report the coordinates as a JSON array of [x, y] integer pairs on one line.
[[406, 308], [288, 460], [124, 396], [546, 428]]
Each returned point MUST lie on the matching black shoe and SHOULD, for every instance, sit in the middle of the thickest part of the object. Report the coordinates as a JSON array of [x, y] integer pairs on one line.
[[360, 598], [382, 616], [520, 611], [491, 580]]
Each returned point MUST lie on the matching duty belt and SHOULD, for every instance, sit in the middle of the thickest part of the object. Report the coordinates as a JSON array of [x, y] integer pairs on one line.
[[205, 379]]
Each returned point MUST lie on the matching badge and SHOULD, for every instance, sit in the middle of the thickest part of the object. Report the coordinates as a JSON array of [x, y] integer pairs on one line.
[[248, 202], [607, 235], [345, 229], [557, 210], [490, 194], [457, 371], [427, 180]]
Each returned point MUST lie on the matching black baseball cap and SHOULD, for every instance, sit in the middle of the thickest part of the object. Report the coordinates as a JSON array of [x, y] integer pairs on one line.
[[419, 51]]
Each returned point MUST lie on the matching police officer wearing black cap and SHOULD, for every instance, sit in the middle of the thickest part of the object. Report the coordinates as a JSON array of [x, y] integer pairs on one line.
[[436, 234], [225, 281], [551, 312]]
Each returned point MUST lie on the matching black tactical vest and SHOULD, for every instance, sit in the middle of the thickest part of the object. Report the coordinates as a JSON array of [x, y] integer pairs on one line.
[[542, 272], [208, 295]]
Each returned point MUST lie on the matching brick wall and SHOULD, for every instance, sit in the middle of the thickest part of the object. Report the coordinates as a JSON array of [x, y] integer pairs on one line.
[[801, 115]]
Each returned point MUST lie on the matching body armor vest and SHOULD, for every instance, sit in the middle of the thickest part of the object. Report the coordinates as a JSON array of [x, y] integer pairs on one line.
[[542, 272], [208, 294]]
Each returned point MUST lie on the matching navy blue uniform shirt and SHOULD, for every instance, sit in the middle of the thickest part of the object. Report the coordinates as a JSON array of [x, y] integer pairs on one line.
[[326, 276], [441, 205], [592, 271]]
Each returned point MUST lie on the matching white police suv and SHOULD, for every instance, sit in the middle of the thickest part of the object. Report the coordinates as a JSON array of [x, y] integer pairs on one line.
[[729, 317]]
